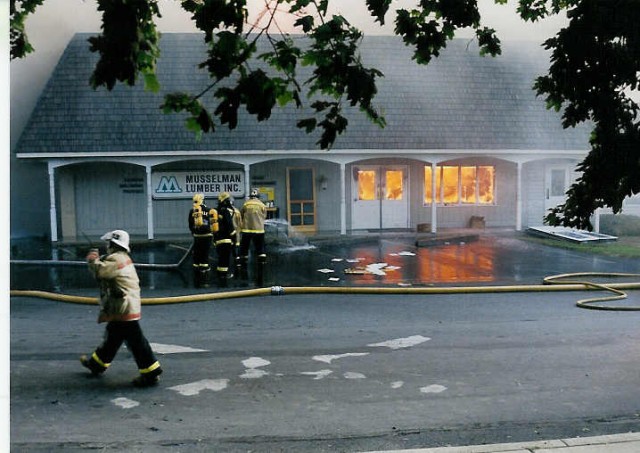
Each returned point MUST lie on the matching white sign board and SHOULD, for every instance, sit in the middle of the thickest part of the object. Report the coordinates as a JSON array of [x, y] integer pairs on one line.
[[184, 184]]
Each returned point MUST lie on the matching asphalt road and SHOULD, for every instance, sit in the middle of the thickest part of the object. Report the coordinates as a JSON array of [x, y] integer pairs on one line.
[[329, 373]]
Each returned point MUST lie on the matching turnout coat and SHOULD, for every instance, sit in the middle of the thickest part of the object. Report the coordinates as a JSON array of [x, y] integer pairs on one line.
[[119, 287]]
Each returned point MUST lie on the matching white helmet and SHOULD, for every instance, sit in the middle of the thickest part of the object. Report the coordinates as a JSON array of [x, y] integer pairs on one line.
[[118, 237]]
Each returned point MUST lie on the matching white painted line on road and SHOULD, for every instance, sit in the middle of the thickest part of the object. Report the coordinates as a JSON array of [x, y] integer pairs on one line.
[[318, 374], [252, 364], [435, 388], [195, 388], [397, 384], [255, 362], [354, 375], [330, 357], [399, 343], [125, 403], [253, 373], [173, 349]]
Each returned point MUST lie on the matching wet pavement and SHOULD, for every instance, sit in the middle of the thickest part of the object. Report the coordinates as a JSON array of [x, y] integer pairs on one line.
[[490, 258]]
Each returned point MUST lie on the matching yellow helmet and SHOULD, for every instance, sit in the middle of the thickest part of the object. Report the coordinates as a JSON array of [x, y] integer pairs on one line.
[[198, 198], [223, 196]]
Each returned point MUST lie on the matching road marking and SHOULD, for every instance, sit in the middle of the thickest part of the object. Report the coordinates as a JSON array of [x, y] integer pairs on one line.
[[255, 362], [173, 349], [125, 403], [330, 357], [397, 384], [318, 374], [399, 343], [354, 375], [435, 388], [252, 364], [194, 388], [253, 373]]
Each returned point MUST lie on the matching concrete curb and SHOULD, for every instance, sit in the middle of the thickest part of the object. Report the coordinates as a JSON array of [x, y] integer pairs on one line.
[[618, 443]]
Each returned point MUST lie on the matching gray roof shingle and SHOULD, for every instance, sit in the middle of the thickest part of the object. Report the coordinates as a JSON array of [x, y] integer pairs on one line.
[[459, 101]]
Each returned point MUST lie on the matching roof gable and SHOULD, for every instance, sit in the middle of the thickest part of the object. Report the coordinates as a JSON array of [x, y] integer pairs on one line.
[[459, 101]]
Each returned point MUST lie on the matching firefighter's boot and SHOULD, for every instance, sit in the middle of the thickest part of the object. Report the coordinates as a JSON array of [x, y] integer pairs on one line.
[[92, 365], [222, 279], [147, 379], [204, 278]]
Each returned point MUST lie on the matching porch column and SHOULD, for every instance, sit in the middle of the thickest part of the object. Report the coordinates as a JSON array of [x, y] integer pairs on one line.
[[150, 232], [247, 180], [53, 214], [519, 196], [434, 216], [343, 200]]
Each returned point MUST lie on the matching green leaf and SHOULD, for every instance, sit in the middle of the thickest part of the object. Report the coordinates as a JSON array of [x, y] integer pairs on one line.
[[151, 82]]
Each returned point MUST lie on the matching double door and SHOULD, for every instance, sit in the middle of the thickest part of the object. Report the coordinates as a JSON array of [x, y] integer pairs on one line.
[[380, 197]]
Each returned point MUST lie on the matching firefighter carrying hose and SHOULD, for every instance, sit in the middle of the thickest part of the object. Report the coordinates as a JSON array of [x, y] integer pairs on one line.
[[254, 213], [225, 237], [202, 224]]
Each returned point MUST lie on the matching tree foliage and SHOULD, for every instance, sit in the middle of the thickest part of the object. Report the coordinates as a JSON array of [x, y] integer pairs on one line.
[[594, 64]]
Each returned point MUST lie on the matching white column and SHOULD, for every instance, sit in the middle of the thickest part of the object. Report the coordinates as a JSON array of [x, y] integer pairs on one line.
[[247, 180], [150, 232], [434, 216], [53, 214], [596, 220], [343, 200], [519, 196]]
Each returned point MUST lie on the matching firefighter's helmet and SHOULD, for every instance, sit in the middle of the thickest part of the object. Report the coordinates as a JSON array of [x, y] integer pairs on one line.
[[224, 196], [198, 198], [118, 237]]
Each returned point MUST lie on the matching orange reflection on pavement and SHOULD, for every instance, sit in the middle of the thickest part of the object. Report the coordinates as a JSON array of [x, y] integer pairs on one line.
[[454, 263]]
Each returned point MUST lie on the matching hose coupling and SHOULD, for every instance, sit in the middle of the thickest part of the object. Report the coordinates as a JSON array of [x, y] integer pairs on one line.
[[277, 291]]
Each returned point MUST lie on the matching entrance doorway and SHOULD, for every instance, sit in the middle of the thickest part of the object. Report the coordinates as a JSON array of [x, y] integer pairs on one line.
[[301, 199], [556, 186], [381, 198]]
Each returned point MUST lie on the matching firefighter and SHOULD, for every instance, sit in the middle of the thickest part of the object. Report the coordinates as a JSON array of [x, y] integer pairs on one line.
[[120, 308], [225, 237], [237, 226], [202, 224], [254, 213]]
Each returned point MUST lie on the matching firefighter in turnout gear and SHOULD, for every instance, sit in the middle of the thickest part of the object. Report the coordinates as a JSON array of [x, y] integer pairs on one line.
[[120, 308], [202, 224], [237, 226], [254, 213], [225, 237]]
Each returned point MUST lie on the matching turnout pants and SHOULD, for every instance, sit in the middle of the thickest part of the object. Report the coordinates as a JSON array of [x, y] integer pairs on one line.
[[201, 247], [129, 332], [258, 242]]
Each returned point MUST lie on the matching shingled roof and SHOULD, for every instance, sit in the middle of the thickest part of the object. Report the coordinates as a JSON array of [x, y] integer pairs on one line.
[[459, 101]]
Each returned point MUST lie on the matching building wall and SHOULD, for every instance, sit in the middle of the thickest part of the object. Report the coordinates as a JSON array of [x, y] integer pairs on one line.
[[107, 196]]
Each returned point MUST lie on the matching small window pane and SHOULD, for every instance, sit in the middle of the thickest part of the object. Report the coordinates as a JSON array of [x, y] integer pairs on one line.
[[557, 183], [394, 189], [295, 208], [486, 183], [366, 185], [450, 184], [308, 220], [468, 184]]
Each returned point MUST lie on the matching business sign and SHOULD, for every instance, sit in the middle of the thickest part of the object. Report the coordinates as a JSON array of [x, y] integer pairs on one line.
[[184, 184]]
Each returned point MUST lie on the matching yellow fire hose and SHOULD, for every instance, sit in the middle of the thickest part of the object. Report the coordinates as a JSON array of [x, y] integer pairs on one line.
[[561, 282]]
